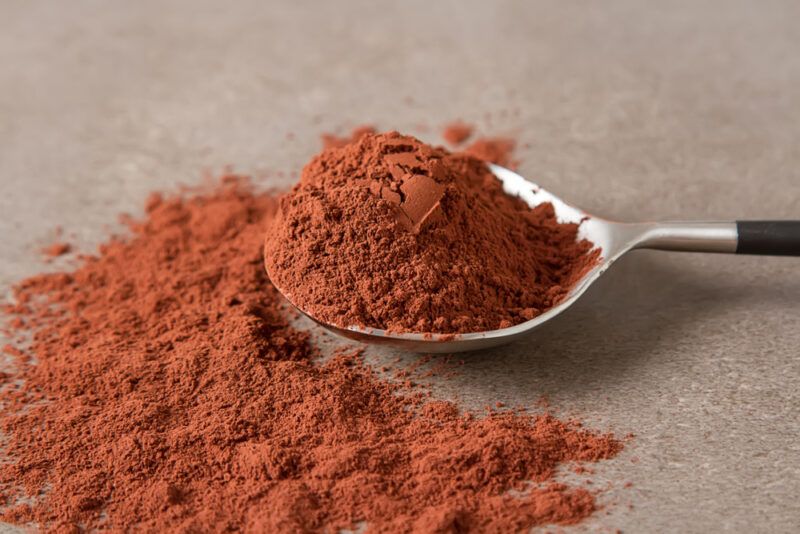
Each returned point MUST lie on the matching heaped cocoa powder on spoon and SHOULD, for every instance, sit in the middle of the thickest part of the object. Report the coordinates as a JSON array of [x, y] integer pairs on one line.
[[330, 140], [165, 391], [388, 232]]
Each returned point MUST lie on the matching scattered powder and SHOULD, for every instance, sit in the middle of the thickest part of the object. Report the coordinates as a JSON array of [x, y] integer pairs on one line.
[[494, 150], [335, 141], [457, 132], [164, 391], [444, 368], [57, 249], [428, 366], [389, 232]]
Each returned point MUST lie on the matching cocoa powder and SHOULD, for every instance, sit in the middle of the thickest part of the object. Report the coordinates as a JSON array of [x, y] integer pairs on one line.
[[57, 249], [388, 232], [494, 150], [334, 141], [165, 391], [456, 132]]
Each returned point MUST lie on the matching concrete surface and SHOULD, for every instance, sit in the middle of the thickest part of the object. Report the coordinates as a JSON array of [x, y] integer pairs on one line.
[[663, 110]]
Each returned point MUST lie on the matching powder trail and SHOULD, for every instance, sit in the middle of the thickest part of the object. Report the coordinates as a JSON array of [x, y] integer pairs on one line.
[[170, 394]]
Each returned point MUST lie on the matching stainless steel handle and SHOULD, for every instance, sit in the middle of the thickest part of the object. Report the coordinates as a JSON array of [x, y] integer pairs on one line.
[[766, 238], [690, 236]]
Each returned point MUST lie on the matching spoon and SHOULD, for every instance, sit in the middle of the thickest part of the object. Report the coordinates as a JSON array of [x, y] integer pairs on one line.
[[777, 238]]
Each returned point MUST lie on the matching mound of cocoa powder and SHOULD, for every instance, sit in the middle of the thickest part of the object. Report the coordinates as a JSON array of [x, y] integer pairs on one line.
[[330, 140], [388, 232], [165, 391]]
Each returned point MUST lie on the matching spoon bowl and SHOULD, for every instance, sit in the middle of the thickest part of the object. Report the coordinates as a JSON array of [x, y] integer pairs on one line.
[[613, 239]]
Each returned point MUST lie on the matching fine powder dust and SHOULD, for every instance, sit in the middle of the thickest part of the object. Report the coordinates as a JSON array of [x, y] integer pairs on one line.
[[57, 249], [388, 232], [335, 141], [493, 149], [164, 391], [456, 132]]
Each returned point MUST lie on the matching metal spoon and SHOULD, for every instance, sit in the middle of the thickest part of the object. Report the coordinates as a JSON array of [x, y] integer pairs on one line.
[[781, 238]]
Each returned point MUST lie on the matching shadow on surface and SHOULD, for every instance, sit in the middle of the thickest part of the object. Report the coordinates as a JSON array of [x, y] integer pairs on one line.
[[650, 305]]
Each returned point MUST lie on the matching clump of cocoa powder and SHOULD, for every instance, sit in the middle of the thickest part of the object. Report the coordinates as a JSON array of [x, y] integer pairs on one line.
[[57, 249], [457, 132], [388, 232], [494, 150], [165, 391]]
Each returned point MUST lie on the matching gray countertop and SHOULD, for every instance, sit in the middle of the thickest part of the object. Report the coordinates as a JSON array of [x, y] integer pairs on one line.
[[670, 110]]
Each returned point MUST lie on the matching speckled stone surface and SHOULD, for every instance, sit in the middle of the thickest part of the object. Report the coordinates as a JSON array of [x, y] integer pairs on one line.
[[669, 110]]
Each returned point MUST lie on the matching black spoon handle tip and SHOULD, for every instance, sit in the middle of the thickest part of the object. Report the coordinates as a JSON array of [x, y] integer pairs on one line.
[[768, 238]]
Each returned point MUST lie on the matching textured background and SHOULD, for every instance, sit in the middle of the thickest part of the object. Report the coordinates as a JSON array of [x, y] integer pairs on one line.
[[661, 111]]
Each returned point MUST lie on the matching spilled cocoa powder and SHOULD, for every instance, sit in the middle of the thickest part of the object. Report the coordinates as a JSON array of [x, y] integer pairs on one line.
[[388, 232], [57, 249], [494, 150], [456, 132], [165, 391]]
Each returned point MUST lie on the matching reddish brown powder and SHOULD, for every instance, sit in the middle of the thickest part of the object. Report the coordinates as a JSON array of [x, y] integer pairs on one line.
[[57, 249], [391, 233], [494, 150], [335, 141], [456, 132], [164, 391]]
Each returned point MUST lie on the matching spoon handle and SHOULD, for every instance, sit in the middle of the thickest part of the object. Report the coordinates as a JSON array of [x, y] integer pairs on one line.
[[766, 238]]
